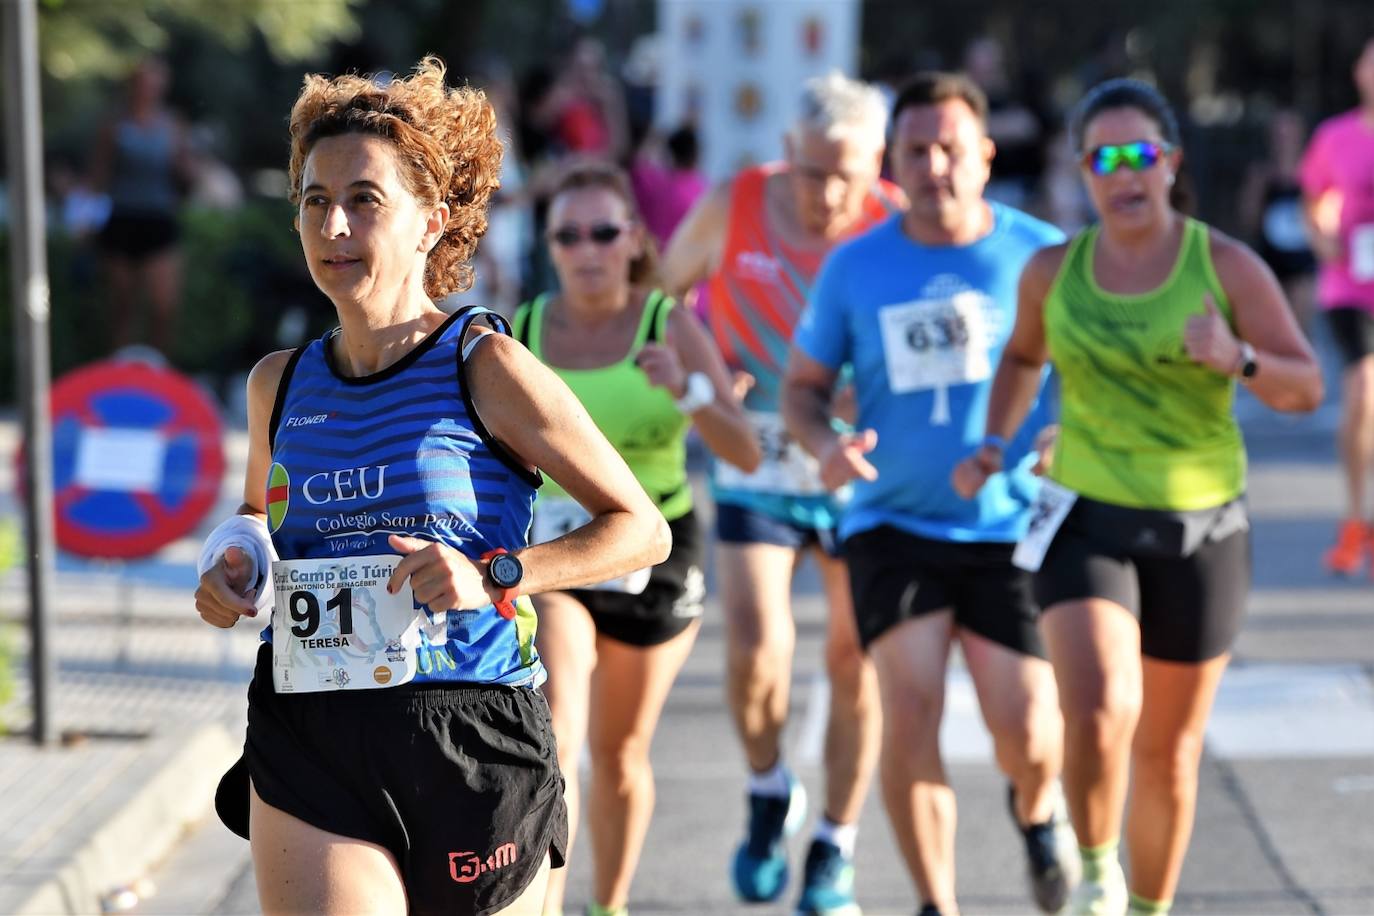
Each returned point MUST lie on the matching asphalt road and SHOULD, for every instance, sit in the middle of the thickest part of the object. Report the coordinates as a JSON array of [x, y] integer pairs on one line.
[[1286, 813]]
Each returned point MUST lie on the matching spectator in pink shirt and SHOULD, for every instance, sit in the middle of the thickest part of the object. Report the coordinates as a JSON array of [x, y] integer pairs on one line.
[[667, 182], [1337, 176]]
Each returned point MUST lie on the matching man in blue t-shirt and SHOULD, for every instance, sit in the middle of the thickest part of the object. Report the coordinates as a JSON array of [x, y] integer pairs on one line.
[[921, 307]]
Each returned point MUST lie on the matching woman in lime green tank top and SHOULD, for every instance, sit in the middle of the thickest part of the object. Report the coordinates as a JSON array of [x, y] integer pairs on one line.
[[1141, 536], [646, 372]]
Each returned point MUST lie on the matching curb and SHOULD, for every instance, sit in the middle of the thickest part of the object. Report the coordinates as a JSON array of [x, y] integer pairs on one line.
[[145, 828]]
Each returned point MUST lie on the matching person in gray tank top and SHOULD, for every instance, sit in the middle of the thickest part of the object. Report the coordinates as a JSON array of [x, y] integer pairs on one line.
[[141, 160]]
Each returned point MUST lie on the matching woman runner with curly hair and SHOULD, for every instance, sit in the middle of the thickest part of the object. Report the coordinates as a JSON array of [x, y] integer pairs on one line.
[[398, 755]]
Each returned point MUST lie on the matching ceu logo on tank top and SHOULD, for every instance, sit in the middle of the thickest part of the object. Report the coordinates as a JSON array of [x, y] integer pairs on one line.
[[356, 460]]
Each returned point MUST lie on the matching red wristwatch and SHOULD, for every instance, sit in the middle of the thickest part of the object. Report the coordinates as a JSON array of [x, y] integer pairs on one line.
[[505, 572]]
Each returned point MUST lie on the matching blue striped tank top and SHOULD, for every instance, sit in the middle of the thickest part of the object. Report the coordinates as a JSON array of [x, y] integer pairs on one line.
[[402, 451]]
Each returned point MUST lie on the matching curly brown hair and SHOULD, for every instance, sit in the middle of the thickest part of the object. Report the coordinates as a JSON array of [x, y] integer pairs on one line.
[[447, 149], [605, 175]]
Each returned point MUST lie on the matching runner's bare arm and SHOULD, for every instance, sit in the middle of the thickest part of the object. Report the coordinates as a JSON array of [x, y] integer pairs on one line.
[[1322, 217], [1018, 374], [1017, 381], [531, 411], [807, 388], [1288, 376], [263, 382], [807, 385], [722, 423], [693, 253], [228, 590]]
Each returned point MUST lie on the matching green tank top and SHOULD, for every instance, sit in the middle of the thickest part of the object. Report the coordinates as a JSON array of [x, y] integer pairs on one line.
[[639, 419], [1141, 424]]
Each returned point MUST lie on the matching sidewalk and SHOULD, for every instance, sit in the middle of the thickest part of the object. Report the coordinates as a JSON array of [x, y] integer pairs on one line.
[[150, 703]]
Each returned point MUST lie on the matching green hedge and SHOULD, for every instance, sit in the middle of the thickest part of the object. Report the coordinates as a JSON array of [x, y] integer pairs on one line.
[[241, 270]]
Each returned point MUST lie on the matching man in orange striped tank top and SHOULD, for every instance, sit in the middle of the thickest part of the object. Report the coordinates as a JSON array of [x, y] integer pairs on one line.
[[758, 241]]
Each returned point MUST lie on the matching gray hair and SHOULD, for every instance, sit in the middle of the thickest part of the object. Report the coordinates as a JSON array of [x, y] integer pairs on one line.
[[841, 107]]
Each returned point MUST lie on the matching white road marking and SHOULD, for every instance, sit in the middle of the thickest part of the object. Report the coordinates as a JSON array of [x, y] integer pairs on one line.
[[1261, 711]]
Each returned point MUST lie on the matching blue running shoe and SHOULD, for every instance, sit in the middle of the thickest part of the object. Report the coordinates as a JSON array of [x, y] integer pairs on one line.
[[827, 883], [760, 869]]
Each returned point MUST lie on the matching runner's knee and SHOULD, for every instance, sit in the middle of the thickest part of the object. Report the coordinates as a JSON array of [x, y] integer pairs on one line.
[[621, 763], [1100, 729], [1170, 759], [766, 656], [845, 664], [912, 716]]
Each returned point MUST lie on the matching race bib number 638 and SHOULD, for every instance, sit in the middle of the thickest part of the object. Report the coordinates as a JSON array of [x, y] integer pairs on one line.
[[935, 343]]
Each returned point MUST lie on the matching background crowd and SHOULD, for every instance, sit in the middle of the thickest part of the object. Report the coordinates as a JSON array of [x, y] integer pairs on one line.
[[220, 279]]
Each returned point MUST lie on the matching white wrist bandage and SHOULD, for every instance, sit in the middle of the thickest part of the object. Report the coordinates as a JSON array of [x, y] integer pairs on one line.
[[249, 534]]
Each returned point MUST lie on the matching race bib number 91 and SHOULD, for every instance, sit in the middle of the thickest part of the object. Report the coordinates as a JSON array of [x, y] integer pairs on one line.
[[335, 627]]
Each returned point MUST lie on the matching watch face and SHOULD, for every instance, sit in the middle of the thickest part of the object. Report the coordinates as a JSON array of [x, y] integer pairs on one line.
[[506, 570]]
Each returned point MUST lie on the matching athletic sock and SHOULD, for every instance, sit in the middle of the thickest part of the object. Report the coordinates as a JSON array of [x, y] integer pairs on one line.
[[1143, 907], [1099, 860], [596, 909], [841, 835], [772, 782]]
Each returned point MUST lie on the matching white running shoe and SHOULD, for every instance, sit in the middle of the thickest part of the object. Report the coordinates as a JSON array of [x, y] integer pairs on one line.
[[1107, 897]]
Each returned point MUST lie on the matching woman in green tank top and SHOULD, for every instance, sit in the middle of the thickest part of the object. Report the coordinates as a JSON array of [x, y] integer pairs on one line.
[[1141, 534], [646, 372]]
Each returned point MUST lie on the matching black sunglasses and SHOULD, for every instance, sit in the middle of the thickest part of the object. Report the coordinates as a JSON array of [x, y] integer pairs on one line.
[[601, 234]]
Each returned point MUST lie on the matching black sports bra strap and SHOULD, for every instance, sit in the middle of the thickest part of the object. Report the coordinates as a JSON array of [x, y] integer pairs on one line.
[[657, 303]]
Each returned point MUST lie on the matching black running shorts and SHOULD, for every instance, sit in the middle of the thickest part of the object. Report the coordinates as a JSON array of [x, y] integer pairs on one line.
[[895, 576], [460, 783], [138, 236], [1185, 576], [1352, 328], [669, 603]]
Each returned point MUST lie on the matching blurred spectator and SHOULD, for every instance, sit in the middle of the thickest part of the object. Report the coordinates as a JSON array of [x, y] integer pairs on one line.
[[640, 72], [1271, 212], [77, 210], [1337, 174], [142, 161], [1062, 197], [1015, 123], [502, 259], [667, 181], [591, 115]]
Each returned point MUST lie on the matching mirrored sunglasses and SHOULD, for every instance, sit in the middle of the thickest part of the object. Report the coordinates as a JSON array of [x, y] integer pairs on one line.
[[1137, 156]]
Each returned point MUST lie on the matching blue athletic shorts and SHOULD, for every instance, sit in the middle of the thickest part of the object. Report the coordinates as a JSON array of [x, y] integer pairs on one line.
[[740, 525]]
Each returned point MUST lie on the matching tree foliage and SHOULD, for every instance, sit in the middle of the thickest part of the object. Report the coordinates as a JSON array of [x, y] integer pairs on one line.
[[102, 38]]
